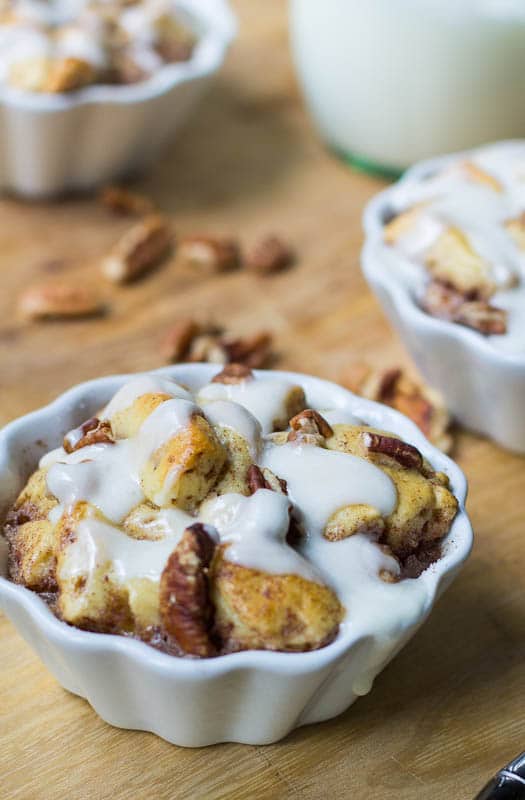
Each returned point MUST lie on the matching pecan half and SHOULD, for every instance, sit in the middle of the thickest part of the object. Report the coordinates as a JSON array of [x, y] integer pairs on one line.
[[269, 255], [140, 249], [264, 479], [122, 201], [402, 452], [185, 606], [59, 300], [444, 302], [209, 253], [177, 339], [233, 373], [92, 431], [311, 422]]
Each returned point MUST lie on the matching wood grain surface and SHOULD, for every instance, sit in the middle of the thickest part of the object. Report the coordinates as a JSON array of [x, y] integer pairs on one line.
[[448, 711]]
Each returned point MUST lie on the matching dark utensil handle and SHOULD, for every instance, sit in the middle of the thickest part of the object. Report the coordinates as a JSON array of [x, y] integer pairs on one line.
[[508, 784]]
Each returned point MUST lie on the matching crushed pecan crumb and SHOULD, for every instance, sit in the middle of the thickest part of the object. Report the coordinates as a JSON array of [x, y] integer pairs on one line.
[[445, 302], [92, 431], [185, 606], [209, 254], [140, 249], [405, 454], [271, 254], [233, 373], [415, 563], [59, 300], [123, 201]]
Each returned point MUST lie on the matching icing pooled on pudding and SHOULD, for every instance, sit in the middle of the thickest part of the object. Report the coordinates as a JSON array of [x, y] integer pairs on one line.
[[457, 240], [230, 518]]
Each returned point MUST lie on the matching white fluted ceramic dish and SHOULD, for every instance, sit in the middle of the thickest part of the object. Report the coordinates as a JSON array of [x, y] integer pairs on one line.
[[252, 697], [50, 144], [483, 387]]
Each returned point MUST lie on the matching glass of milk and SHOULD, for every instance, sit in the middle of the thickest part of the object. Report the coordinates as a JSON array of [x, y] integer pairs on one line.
[[390, 82]]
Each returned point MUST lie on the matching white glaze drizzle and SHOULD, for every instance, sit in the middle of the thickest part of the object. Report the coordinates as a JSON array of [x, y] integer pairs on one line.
[[108, 475], [255, 528], [227, 414], [265, 398], [98, 544], [139, 386], [340, 416], [102, 475], [321, 482]]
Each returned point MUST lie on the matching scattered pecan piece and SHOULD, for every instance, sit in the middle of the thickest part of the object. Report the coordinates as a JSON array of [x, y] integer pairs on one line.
[[233, 373], [254, 351], [185, 606], [58, 299], [193, 341], [68, 74], [444, 302], [140, 249], [269, 255], [209, 254], [311, 421], [125, 202], [402, 452], [206, 347], [398, 390], [178, 338], [92, 431]]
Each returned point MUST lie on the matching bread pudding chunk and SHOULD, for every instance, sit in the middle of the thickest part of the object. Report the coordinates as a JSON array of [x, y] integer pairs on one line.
[[457, 240], [225, 519]]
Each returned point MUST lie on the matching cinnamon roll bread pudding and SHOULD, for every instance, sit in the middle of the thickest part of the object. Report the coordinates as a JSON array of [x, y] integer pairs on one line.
[[459, 241], [62, 45], [230, 518]]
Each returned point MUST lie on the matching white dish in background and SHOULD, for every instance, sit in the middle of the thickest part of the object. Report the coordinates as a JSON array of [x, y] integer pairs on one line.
[[483, 385], [254, 697], [50, 144]]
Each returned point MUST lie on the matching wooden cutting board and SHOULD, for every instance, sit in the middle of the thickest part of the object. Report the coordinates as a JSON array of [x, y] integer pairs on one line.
[[448, 712]]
